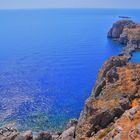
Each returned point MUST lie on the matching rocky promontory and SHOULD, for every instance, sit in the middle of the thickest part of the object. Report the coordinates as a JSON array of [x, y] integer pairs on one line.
[[116, 91], [126, 32], [112, 112]]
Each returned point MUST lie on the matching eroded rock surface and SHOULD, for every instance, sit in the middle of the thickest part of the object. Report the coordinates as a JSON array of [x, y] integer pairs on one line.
[[118, 27], [110, 100], [128, 33], [7, 133]]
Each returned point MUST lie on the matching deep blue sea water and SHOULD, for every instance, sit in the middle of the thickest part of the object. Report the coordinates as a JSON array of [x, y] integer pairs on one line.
[[136, 57], [49, 60]]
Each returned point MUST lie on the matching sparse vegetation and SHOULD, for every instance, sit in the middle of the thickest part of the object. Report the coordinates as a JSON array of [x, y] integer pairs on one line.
[[104, 132]]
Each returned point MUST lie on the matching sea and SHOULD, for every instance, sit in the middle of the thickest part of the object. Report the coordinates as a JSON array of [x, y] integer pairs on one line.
[[49, 63]]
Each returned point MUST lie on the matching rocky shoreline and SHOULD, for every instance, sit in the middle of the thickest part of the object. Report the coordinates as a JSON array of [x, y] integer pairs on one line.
[[9, 133], [126, 32], [112, 112]]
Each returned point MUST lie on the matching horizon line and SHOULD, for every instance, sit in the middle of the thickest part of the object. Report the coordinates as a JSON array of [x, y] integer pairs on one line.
[[38, 8]]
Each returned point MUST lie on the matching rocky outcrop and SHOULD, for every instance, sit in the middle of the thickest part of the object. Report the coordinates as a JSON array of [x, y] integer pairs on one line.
[[126, 32], [115, 98], [127, 127], [118, 27], [8, 133], [109, 100]]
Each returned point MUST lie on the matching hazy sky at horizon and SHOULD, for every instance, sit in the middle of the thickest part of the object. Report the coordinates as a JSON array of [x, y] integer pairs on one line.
[[14, 4]]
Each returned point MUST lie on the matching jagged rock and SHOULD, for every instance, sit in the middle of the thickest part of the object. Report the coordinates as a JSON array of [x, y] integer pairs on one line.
[[7, 133], [55, 137], [44, 136], [129, 128], [118, 27], [125, 103], [118, 129], [138, 128], [112, 99], [108, 73], [99, 88], [68, 134], [127, 32], [133, 111], [123, 38], [28, 135], [72, 122], [19, 137], [112, 75]]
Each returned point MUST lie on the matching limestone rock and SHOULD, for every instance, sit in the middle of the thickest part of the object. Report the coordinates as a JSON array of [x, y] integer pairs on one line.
[[28, 135], [126, 32], [118, 27], [110, 100], [68, 134], [44, 136]]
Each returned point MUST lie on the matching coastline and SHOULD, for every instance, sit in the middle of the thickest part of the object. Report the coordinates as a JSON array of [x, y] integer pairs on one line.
[[126, 32], [110, 98], [115, 98]]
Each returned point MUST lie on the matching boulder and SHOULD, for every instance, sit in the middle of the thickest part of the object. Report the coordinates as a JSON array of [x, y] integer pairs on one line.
[[28, 135], [68, 134], [72, 122], [19, 137], [7, 133], [44, 136]]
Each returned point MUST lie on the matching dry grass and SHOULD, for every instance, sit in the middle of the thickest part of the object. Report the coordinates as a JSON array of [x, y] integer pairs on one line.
[[133, 33], [104, 133]]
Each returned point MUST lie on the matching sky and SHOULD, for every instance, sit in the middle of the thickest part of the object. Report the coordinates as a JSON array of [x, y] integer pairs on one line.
[[21, 4]]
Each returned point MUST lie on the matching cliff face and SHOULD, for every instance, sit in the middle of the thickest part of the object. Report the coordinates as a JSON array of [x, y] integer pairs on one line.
[[113, 110], [118, 27], [126, 32], [116, 90]]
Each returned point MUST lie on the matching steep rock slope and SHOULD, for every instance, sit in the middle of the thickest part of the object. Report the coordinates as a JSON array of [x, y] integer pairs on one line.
[[116, 89], [112, 111], [128, 33]]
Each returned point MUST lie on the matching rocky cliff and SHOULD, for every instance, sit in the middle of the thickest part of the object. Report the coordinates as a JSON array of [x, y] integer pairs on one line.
[[117, 90], [128, 33], [112, 112]]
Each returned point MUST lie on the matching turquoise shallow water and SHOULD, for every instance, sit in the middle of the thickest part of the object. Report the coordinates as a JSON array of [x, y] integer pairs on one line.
[[49, 60]]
